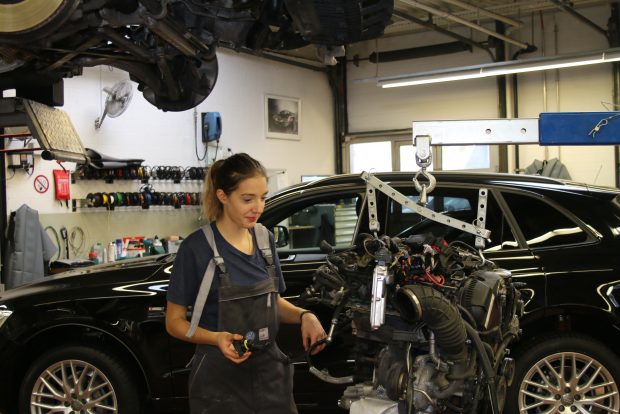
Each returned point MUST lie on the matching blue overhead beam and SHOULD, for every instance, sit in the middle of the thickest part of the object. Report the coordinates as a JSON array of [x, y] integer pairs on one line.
[[552, 128], [579, 128]]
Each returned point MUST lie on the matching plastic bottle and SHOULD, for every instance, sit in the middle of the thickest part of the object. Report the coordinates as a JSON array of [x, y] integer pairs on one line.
[[112, 251], [99, 251], [92, 255], [158, 247]]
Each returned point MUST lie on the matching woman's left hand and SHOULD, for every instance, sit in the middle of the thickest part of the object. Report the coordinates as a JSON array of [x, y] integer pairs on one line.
[[311, 332]]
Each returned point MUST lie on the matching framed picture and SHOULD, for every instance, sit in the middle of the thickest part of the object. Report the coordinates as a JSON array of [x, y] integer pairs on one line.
[[282, 117]]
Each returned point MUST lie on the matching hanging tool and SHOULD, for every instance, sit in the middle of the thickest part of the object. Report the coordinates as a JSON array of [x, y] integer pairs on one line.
[[65, 236]]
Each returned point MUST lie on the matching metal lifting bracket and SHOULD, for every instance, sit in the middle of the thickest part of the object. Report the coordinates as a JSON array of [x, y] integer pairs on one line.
[[551, 128], [373, 183], [562, 128]]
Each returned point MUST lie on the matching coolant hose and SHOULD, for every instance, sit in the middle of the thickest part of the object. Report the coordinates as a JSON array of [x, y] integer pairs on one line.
[[417, 302], [487, 366]]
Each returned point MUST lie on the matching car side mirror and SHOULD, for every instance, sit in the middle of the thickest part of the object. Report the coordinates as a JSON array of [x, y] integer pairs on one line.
[[280, 234]]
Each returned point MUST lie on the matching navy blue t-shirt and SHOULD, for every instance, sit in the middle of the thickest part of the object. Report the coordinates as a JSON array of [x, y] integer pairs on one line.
[[191, 262]]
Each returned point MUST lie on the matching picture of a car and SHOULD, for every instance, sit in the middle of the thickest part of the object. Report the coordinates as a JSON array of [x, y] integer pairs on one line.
[[96, 335], [286, 120]]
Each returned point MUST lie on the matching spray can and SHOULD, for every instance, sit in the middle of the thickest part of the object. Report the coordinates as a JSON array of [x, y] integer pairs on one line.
[[119, 249]]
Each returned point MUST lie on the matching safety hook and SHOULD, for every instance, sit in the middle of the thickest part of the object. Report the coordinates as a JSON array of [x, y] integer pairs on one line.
[[424, 189]]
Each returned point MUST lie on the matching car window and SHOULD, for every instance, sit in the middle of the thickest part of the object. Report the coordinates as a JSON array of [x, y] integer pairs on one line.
[[459, 203], [443, 204], [542, 224], [331, 220]]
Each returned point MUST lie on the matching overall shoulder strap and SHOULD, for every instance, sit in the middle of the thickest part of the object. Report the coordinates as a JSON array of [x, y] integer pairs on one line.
[[262, 239], [219, 261], [207, 280]]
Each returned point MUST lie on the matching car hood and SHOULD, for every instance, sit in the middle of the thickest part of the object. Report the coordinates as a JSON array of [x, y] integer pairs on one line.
[[94, 281]]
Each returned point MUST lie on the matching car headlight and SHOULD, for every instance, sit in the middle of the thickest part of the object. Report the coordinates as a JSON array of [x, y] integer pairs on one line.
[[4, 314]]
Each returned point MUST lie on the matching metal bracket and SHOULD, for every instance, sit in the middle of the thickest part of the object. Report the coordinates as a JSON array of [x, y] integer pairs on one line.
[[374, 182], [380, 278], [481, 132], [482, 214], [423, 153], [373, 222]]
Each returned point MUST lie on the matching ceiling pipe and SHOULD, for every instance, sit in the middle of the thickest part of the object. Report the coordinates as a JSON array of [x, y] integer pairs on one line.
[[565, 6], [299, 62], [433, 26], [464, 22], [485, 12], [419, 52]]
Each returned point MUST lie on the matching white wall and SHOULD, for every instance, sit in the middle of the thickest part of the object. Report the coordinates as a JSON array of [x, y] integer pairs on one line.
[[167, 138], [580, 89]]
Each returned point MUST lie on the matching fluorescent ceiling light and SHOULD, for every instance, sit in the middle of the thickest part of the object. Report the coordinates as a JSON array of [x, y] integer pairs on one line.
[[500, 68]]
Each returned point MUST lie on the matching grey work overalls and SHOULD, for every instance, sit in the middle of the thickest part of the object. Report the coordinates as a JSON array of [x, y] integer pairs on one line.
[[263, 384]]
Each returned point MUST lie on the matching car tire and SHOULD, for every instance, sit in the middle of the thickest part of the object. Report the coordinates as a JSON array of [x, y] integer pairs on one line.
[[66, 376], [29, 20], [591, 377]]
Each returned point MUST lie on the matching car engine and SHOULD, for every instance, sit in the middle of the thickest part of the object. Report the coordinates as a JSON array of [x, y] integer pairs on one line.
[[167, 46], [432, 324]]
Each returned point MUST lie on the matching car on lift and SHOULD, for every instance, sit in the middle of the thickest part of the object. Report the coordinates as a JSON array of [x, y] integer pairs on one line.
[[167, 46], [96, 335]]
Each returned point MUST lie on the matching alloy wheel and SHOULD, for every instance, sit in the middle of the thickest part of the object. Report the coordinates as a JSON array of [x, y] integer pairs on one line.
[[73, 387], [568, 382]]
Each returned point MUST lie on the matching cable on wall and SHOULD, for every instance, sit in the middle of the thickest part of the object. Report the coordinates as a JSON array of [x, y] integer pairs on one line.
[[76, 240], [57, 237], [196, 138]]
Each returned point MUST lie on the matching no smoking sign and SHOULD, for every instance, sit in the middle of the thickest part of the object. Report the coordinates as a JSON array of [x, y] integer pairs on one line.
[[41, 184]]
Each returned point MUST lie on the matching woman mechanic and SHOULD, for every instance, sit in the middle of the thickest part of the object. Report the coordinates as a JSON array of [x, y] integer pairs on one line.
[[235, 308]]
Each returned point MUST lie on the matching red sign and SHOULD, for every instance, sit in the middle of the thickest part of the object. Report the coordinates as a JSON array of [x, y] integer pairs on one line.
[[41, 184]]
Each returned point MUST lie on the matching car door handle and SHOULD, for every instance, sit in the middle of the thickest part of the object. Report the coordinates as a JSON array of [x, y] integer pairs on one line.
[[288, 258]]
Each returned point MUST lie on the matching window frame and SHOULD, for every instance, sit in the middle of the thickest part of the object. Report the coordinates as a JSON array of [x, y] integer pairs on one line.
[[314, 197], [591, 236]]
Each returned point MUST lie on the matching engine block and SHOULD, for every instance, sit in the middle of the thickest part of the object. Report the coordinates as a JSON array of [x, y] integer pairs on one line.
[[432, 323]]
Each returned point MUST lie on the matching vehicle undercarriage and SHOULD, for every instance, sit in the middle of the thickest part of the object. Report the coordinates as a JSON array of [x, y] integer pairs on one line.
[[167, 46]]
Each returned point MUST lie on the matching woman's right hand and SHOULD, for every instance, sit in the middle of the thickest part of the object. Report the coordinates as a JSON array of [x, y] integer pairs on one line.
[[225, 344]]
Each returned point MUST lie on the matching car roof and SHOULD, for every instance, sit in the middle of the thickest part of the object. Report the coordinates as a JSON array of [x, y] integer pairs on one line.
[[476, 178]]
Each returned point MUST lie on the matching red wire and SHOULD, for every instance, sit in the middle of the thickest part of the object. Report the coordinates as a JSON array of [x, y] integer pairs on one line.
[[436, 282]]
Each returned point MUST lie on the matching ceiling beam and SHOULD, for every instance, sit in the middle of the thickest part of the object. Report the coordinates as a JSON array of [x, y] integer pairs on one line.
[[485, 12], [441, 30], [448, 16]]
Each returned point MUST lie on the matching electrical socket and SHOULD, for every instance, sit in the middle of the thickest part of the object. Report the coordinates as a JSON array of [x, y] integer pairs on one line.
[[24, 160]]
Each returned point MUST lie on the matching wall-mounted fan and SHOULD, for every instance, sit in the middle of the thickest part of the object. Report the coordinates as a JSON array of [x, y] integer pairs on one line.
[[116, 102]]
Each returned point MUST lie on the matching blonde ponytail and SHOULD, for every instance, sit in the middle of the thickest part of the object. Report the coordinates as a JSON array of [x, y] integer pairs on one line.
[[211, 206]]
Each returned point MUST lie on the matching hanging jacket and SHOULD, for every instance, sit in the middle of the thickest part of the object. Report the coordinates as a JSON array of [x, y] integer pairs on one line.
[[29, 248], [548, 168]]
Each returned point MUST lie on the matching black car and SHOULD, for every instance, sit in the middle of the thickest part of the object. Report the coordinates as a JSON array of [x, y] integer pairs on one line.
[[97, 335]]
